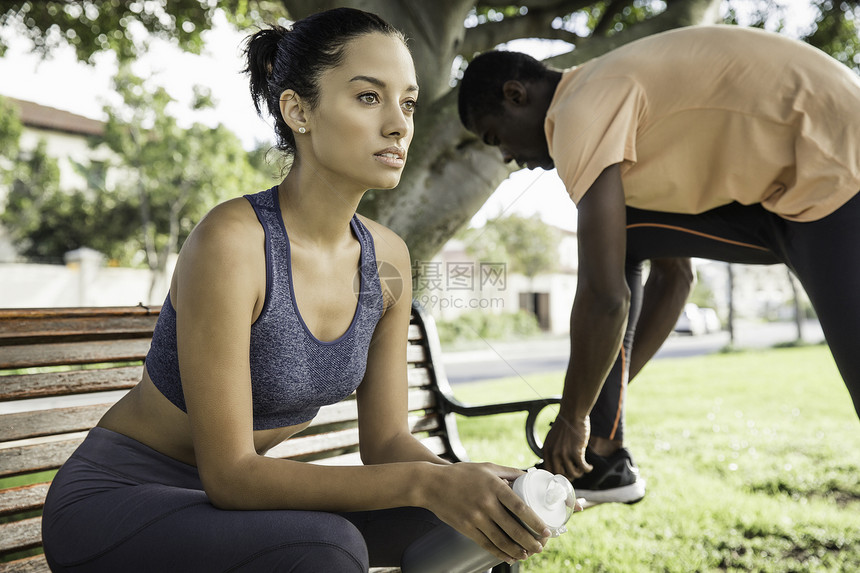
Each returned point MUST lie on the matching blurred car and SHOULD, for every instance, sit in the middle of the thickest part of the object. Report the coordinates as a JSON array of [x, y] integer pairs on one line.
[[696, 320]]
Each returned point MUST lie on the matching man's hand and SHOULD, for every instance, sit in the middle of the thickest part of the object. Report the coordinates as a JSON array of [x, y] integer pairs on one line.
[[564, 448]]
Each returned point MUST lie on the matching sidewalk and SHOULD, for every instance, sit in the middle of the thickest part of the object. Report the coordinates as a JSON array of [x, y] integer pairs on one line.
[[748, 335], [492, 350]]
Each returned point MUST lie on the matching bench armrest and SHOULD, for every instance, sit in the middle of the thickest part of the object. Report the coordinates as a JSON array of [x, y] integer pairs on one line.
[[450, 405], [533, 407]]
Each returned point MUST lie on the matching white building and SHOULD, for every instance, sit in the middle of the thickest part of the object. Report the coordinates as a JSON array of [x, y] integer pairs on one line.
[[84, 280], [453, 282], [759, 291], [69, 138]]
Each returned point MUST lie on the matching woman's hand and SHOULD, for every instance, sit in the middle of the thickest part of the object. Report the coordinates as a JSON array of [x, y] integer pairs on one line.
[[477, 500]]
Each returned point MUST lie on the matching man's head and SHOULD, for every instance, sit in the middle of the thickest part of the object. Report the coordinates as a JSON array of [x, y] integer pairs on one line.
[[503, 100]]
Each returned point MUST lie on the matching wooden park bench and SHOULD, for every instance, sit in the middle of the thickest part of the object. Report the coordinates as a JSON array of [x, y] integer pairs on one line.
[[62, 368]]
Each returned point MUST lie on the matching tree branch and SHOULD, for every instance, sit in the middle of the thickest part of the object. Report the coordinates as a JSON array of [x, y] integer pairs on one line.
[[537, 23], [613, 8], [487, 36], [298, 9], [679, 13], [558, 6]]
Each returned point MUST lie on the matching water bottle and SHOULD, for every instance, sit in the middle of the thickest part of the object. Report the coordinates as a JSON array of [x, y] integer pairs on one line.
[[550, 496], [446, 550]]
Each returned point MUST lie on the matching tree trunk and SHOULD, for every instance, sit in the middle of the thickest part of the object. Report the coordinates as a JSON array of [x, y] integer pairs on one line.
[[731, 301], [798, 311]]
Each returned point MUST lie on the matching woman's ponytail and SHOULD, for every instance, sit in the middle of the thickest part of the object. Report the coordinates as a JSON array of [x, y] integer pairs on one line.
[[261, 51]]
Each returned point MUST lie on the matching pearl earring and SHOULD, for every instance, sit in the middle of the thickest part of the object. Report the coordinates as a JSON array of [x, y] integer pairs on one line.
[[302, 130]]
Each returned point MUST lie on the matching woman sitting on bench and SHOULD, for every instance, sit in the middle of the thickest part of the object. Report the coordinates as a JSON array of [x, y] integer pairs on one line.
[[276, 309]]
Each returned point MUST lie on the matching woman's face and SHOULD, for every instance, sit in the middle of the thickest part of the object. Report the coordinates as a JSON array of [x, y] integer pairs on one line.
[[360, 132]]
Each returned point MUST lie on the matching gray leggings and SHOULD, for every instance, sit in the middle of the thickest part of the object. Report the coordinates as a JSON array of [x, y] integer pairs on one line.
[[117, 505]]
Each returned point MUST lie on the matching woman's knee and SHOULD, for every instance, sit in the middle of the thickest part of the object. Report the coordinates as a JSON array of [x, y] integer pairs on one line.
[[333, 544], [305, 558], [296, 542], [340, 545]]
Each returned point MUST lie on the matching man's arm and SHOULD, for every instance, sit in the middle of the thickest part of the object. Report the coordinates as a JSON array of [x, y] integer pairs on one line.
[[666, 290], [597, 322]]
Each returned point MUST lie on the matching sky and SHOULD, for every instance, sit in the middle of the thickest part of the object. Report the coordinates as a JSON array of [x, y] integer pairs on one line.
[[63, 82]]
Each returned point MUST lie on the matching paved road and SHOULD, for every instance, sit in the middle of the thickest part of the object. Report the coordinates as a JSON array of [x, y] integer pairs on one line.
[[502, 359]]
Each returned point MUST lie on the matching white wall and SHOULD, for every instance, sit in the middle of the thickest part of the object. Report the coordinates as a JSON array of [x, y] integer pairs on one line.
[[81, 282], [760, 291], [454, 283]]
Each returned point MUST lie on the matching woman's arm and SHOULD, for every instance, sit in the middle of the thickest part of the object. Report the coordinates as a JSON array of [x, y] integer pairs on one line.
[[218, 289], [470, 497], [384, 434]]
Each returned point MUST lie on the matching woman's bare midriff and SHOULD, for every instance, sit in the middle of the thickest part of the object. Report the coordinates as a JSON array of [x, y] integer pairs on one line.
[[145, 415]]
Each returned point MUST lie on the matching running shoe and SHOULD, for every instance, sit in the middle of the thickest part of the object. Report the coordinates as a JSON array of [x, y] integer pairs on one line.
[[614, 479]]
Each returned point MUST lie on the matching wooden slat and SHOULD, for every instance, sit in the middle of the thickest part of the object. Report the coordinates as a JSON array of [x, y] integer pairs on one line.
[[37, 454], [42, 385], [434, 443], [19, 535], [316, 444], [421, 400], [23, 498], [76, 312], [350, 459], [35, 564], [300, 446], [39, 330], [423, 424], [29, 355], [416, 354], [418, 377], [37, 423], [347, 410], [343, 411], [414, 334]]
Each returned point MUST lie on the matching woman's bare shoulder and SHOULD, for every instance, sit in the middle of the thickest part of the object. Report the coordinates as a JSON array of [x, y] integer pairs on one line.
[[388, 244], [230, 226], [228, 243]]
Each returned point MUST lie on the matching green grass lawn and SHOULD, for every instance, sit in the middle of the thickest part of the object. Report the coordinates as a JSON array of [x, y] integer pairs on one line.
[[752, 461]]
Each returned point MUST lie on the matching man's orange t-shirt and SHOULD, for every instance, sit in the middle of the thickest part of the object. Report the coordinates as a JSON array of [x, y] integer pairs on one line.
[[703, 116]]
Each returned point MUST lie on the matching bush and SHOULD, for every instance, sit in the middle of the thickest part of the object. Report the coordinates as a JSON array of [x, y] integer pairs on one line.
[[477, 325]]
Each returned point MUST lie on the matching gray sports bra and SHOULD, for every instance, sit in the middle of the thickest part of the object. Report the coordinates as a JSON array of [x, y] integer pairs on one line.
[[293, 373]]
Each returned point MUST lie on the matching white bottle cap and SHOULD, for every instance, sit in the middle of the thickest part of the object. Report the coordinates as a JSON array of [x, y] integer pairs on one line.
[[550, 496]]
